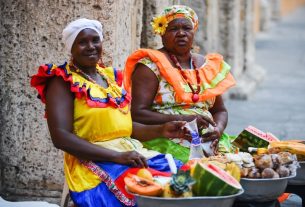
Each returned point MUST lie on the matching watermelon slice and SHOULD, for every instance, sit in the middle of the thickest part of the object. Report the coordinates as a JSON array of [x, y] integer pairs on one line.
[[213, 181], [253, 137]]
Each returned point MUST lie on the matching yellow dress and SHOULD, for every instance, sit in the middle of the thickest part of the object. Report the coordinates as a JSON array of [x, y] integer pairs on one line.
[[101, 116]]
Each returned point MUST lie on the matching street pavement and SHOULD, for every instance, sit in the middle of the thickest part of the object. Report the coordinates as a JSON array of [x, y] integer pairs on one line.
[[278, 103]]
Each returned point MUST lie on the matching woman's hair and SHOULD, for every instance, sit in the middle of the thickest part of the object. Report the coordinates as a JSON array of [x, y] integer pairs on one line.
[[170, 13], [71, 31]]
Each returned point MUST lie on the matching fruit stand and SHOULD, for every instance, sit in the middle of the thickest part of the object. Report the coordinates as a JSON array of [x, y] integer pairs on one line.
[[260, 171]]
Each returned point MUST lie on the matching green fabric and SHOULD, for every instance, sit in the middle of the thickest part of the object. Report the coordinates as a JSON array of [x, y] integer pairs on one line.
[[165, 146], [225, 144], [179, 152]]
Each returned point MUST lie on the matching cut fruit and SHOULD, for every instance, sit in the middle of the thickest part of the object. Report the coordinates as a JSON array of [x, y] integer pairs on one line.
[[253, 137], [213, 181], [144, 173], [142, 186]]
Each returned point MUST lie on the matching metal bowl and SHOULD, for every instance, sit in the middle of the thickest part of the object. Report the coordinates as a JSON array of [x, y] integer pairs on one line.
[[264, 189], [211, 201], [299, 179]]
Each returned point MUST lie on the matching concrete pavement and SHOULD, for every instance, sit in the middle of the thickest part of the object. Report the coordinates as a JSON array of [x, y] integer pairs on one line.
[[278, 104]]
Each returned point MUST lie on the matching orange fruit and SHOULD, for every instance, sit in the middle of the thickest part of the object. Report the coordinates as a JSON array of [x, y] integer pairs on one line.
[[144, 173], [142, 186]]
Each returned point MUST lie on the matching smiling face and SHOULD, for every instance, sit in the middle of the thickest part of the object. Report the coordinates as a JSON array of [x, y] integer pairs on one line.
[[178, 37], [87, 48]]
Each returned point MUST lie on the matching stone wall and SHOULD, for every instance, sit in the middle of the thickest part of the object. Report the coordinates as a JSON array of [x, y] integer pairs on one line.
[[151, 9]]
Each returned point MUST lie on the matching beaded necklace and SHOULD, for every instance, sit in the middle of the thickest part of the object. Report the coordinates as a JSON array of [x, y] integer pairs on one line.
[[195, 96], [88, 77]]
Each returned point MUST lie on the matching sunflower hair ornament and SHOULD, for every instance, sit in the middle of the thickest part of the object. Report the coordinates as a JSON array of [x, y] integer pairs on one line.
[[160, 22]]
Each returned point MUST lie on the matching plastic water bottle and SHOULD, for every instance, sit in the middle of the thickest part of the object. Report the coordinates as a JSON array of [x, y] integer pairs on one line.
[[196, 151]]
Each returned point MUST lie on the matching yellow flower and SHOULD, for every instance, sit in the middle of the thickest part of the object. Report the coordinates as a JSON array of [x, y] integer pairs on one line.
[[159, 25]]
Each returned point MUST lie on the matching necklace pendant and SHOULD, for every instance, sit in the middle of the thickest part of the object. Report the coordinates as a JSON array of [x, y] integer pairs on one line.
[[195, 97]]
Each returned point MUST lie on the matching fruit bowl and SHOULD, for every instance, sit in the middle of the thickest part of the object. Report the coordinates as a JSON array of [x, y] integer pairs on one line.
[[263, 189], [299, 179], [211, 201]]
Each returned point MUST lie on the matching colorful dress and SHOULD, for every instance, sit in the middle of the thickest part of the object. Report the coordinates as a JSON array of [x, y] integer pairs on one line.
[[98, 120], [174, 96]]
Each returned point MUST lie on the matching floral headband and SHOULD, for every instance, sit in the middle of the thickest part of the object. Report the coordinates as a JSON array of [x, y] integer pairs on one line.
[[160, 22]]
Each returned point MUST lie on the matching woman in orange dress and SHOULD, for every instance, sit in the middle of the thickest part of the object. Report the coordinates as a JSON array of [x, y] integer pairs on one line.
[[173, 83]]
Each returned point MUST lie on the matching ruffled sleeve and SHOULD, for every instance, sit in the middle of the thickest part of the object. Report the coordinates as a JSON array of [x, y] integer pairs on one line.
[[95, 95], [44, 74]]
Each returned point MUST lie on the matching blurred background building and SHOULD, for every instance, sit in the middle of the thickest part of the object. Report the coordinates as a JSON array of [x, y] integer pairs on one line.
[[30, 34]]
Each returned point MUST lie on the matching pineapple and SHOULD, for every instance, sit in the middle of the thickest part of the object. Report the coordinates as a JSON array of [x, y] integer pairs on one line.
[[179, 186], [234, 170]]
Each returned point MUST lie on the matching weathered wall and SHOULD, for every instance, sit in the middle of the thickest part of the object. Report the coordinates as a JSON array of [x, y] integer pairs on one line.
[[151, 9], [30, 33], [28, 159], [230, 34], [126, 28], [249, 75]]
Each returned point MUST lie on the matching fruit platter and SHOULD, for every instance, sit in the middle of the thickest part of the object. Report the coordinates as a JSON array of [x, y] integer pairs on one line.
[[273, 165], [257, 170], [263, 190], [198, 183], [211, 201], [265, 176]]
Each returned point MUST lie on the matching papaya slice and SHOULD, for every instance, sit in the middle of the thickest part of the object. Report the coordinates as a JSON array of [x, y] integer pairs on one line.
[[142, 186]]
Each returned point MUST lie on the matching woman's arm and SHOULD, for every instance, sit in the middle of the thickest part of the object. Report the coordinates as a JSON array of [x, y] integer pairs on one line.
[[144, 89], [60, 109], [174, 129], [220, 116]]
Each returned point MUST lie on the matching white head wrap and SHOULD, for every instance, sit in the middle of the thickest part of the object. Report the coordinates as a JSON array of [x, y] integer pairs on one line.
[[71, 31]]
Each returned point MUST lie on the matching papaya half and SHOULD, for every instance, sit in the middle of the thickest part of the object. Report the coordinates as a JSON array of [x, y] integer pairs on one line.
[[142, 186]]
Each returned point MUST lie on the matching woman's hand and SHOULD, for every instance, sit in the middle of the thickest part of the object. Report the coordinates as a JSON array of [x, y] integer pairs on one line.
[[204, 122], [175, 129], [213, 136], [132, 158]]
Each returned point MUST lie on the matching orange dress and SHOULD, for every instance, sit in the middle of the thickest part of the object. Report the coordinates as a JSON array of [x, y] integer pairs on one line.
[[174, 96]]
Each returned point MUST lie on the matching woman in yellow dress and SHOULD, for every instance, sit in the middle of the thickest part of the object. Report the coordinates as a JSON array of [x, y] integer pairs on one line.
[[89, 118]]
